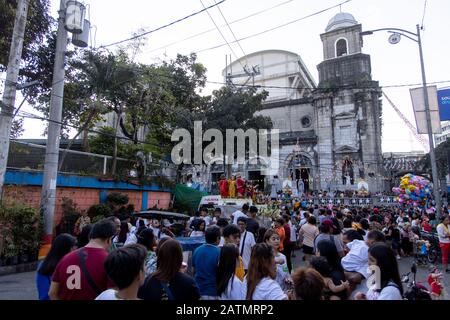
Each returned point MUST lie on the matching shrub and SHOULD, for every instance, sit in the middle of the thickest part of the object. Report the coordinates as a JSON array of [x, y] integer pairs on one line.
[[69, 218], [99, 210], [97, 218], [117, 199], [22, 229]]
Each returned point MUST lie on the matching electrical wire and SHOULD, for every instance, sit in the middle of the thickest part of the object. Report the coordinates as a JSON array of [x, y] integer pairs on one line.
[[349, 87], [223, 37], [231, 30], [330, 167], [24, 114], [424, 10], [209, 30], [275, 28], [162, 27]]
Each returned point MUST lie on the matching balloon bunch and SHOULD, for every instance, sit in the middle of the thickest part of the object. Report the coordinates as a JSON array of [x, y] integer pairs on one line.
[[413, 190]]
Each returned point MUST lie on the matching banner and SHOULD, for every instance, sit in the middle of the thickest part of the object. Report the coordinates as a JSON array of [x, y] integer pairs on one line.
[[419, 109], [444, 104]]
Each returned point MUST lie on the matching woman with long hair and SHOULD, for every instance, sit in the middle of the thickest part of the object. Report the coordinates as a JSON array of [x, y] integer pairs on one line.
[[147, 238], [328, 250], [124, 236], [260, 280], [62, 245], [229, 287], [282, 277], [167, 282], [199, 228], [389, 287]]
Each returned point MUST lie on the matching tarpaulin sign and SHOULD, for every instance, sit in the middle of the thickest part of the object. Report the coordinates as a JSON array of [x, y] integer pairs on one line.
[[444, 104]]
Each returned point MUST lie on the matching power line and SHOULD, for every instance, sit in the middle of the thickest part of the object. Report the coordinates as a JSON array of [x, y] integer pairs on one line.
[[162, 27], [223, 37], [277, 27], [337, 87], [328, 167], [231, 30], [286, 87], [24, 114], [232, 22], [424, 10]]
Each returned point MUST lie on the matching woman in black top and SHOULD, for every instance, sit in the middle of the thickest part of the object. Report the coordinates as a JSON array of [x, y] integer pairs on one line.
[[167, 282], [328, 250]]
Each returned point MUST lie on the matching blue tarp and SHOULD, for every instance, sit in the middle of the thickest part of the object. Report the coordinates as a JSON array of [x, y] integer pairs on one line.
[[190, 244]]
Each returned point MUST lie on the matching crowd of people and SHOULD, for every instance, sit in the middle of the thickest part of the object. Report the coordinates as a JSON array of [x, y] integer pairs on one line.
[[241, 258]]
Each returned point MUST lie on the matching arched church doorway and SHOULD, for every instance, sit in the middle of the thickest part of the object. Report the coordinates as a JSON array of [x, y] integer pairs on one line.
[[300, 171]]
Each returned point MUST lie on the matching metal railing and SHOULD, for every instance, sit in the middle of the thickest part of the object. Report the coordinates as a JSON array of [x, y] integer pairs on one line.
[[30, 156], [356, 202]]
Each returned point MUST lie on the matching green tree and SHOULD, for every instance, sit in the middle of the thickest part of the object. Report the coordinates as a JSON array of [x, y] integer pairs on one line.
[[40, 69], [441, 152], [39, 24], [235, 109], [38, 27]]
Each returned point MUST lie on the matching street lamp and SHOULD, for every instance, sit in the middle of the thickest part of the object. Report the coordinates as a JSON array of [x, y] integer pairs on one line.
[[395, 38]]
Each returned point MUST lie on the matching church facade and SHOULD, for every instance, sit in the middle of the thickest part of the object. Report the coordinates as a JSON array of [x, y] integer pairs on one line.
[[330, 132]]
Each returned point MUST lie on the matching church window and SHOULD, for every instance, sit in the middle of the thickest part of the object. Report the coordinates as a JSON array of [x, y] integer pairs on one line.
[[341, 47], [306, 122]]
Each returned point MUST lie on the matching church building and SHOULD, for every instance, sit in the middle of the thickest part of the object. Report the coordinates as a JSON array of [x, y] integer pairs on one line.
[[330, 132]]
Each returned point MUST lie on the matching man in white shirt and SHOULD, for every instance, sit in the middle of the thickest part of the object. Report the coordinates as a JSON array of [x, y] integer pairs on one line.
[[247, 242], [356, 261], [237, 214], [444, 240]]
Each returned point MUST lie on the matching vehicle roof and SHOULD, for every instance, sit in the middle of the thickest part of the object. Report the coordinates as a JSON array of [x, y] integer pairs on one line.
[[151, 214]]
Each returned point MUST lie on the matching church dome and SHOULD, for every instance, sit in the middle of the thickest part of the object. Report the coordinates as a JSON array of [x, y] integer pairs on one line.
[[341, 20]]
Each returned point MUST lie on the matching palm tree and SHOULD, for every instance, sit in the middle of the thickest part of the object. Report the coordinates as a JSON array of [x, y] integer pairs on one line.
[[101, 76]]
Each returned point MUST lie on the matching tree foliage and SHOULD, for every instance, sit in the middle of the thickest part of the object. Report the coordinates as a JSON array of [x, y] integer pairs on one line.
[[39, 24], [148, 101], [441, 152]]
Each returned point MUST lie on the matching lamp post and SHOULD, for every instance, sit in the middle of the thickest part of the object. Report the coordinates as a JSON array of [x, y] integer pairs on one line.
[[394, 38]]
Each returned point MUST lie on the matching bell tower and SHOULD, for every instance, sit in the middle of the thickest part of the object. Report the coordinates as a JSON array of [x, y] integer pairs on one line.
[[348, 110]]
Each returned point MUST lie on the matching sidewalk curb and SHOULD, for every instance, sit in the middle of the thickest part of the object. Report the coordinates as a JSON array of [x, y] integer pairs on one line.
[[19, 268]]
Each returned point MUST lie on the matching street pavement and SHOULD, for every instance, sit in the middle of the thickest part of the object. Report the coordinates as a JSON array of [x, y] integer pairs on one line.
[[22, 286]]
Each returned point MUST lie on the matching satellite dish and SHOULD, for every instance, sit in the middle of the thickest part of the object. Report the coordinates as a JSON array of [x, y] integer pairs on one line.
[[394, 38]]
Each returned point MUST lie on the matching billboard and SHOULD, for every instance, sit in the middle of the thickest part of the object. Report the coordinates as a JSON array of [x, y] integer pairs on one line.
[[417, 99], [444, 104]]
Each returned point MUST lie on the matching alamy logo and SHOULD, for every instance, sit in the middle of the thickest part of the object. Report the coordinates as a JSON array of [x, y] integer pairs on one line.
[[257, 153], [374, 279]]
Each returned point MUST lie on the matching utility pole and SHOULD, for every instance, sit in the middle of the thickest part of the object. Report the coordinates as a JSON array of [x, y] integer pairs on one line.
[[396, 34], [9, 95], [48, 195], [434, 172]]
